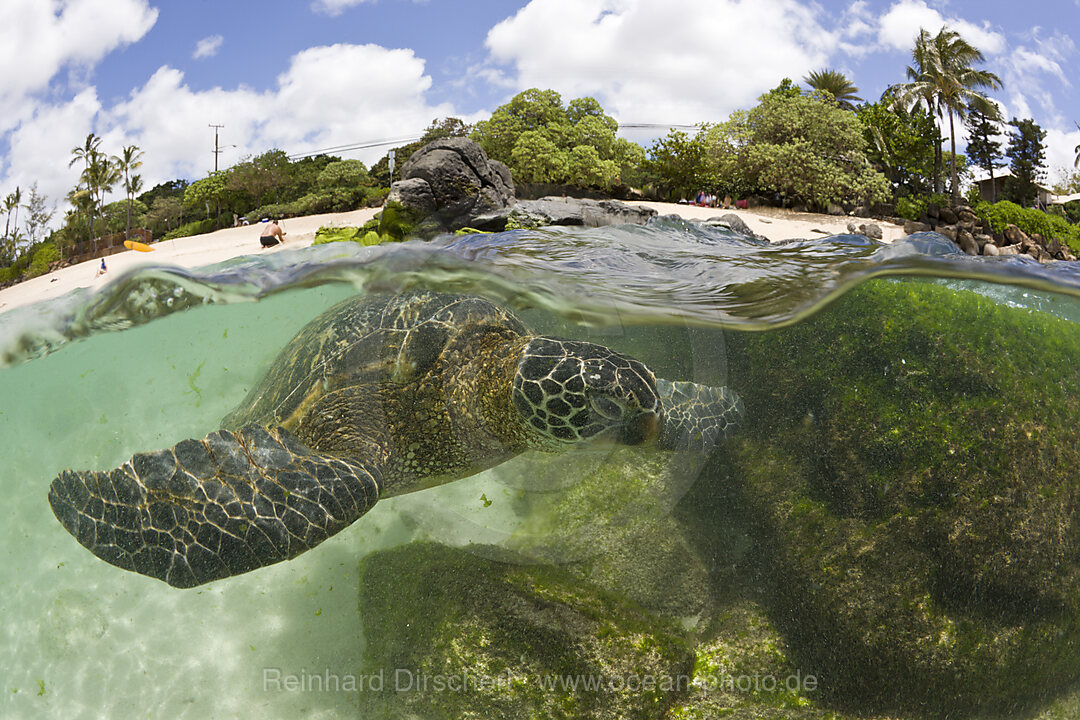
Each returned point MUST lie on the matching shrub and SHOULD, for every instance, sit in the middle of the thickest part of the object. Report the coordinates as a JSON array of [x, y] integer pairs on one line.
[[329, 234], [196, 228], [911, 207], [1031, 221], [915, 207], [44, 256]]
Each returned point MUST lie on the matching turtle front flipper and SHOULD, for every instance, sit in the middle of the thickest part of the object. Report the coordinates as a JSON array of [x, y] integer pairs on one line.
[[696, 417], [212, 508]]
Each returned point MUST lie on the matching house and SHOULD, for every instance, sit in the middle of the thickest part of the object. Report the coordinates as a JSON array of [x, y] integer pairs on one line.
[[995, 191]]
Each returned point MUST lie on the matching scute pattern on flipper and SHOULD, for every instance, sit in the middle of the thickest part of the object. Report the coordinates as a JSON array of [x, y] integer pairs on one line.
[[212, 508]]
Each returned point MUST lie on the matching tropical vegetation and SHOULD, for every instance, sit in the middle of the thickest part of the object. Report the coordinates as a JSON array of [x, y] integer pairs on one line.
[[822, 148], [834, 84], [941, 75]]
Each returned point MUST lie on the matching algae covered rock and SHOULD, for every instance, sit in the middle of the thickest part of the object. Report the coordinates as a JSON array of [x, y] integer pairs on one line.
[[911, 464], [613, 526], [743, 671], [454, 635]]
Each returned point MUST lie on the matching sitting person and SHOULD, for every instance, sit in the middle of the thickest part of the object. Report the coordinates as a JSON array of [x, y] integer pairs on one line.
[[272, 234]]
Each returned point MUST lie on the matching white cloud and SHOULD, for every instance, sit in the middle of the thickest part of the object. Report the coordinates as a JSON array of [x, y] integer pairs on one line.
[[40, 148], [40, 38], [334, 8], [677, 61], [329, 96], [1061, 152], [208, 46], [1035, 71], [900, 26]]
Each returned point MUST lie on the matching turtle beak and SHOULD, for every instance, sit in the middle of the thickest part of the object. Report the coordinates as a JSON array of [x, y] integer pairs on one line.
[[642, 429]]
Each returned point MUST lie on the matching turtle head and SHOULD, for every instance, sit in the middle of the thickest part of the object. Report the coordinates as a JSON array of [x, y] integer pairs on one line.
[[570, 392]]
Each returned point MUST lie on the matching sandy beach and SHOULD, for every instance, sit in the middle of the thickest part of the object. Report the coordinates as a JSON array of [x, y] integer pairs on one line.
[[215, 247]]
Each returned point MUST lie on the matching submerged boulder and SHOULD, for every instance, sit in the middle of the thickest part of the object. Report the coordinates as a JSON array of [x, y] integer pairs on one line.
[[468, 636], [910, 462]]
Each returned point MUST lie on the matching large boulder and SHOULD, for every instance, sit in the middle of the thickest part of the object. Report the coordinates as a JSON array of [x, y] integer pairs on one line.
[[455, 635], [448, 182], [910, 461]]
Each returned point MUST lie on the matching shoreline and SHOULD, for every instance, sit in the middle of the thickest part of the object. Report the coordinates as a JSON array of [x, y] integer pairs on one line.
[[210, 248]]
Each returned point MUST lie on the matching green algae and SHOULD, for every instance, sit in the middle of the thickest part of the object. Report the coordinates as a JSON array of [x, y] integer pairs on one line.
[[910, 463], [521, 641], [613, 526]]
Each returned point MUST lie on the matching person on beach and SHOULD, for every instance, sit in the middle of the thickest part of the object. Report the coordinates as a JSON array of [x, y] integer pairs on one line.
[[272, 234], [102, 270]]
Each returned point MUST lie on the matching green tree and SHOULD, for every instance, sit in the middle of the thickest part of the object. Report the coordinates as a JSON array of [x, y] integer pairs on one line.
[[209, 192], [344, 173], [536, 159], [678, 164], [836, 85], [901, 144], [165, 213], [982, 148], [588, 169], [38, 215], [942, 76], [536, 121], [129, 160], [1027, 157], [807, 150]]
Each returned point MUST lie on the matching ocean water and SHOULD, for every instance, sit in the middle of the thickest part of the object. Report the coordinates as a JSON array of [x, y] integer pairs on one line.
[[162, 354]]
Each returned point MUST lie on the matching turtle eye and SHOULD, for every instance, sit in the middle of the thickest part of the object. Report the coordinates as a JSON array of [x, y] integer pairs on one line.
[[606, 407]]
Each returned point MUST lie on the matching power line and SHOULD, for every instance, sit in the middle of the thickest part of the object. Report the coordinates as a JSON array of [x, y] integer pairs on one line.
[[366, 144], [656, 125], [356, 146]]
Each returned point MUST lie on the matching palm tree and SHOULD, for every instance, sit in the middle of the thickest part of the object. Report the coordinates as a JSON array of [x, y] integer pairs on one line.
[[126, 162], [11, 204], [1076, 163], [85, 153], [943, 76], [836, 84], [100, 176]]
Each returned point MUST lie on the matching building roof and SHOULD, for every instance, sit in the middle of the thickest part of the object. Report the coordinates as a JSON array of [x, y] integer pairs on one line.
[[981, 176]]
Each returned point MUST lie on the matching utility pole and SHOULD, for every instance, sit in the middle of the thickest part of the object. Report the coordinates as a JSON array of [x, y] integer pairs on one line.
[[217, 148]]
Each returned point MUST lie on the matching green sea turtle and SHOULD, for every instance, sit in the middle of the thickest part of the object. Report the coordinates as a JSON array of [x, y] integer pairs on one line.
[[378, 396]]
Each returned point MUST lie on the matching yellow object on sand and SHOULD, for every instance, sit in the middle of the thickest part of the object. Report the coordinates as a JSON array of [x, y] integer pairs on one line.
[[141, 247]]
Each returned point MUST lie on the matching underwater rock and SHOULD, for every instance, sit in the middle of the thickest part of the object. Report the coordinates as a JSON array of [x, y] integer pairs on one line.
[[910, 461], [744, 671], [513, 640], [614, 527], [461, 183]]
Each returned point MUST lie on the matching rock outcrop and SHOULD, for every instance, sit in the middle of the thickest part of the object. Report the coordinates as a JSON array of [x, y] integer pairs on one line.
[[451, 184], [582, 212], [448, 182]]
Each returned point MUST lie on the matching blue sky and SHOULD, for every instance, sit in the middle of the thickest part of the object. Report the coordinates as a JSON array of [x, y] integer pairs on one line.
[[305, 75]]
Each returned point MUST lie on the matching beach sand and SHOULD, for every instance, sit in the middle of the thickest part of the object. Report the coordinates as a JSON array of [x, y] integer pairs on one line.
[[215, 247]]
